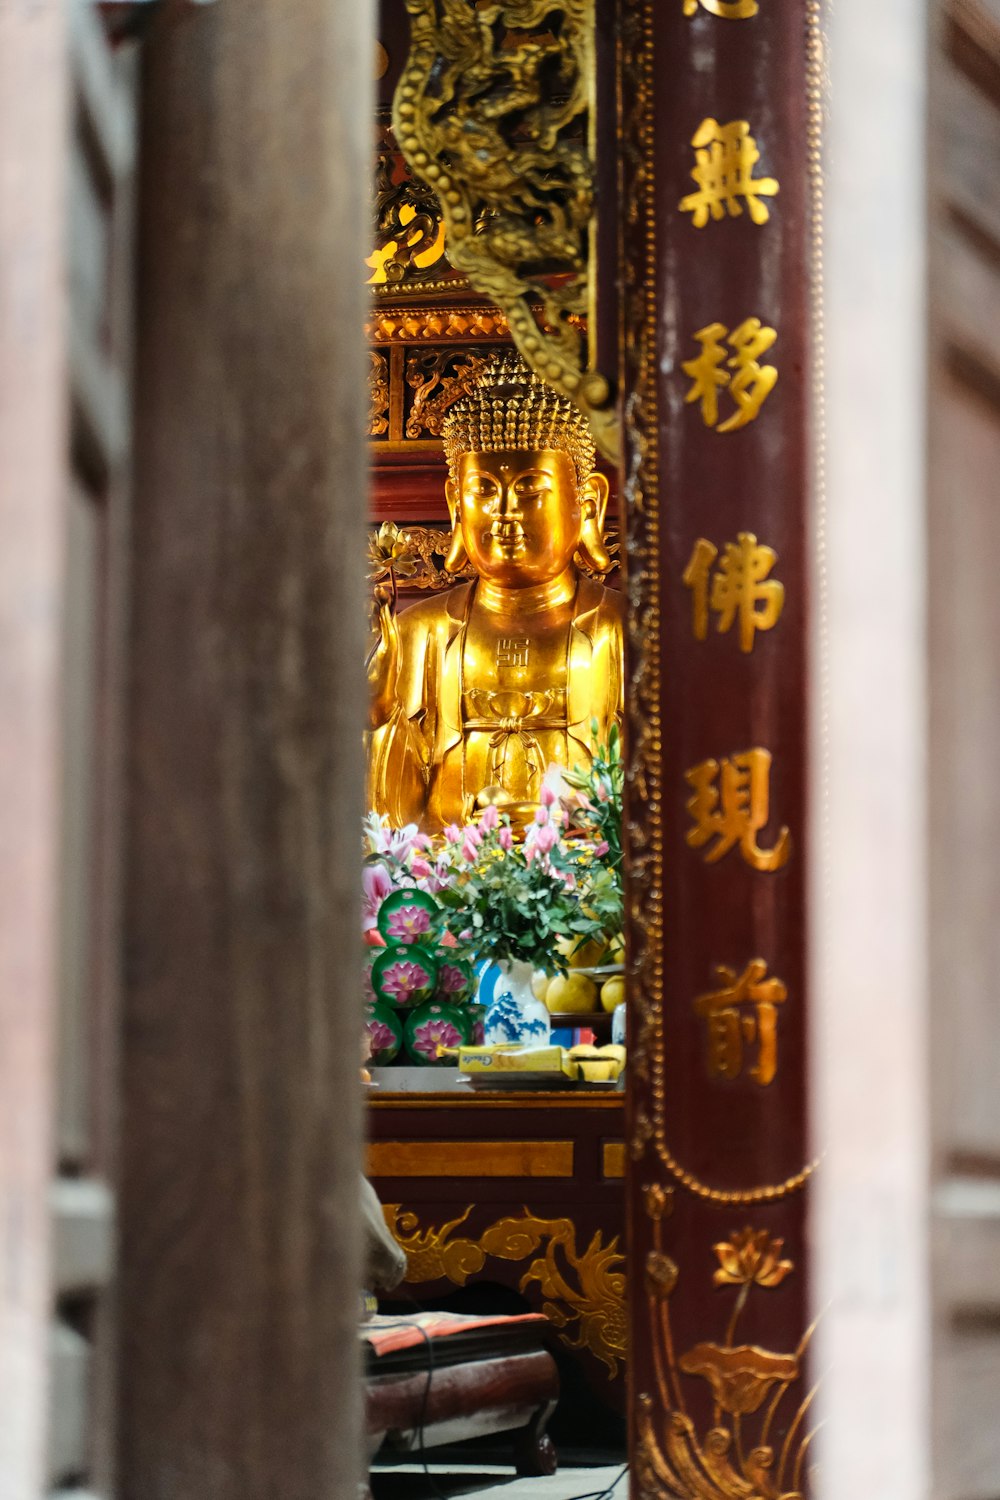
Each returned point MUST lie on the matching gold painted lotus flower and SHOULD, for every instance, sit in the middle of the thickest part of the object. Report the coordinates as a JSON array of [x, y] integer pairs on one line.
[[751, 1256], [740, 1378]]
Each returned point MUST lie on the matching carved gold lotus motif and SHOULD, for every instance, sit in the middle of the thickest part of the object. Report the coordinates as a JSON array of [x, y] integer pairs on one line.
[[751, 1256], [740, 1378], [735, 1458]]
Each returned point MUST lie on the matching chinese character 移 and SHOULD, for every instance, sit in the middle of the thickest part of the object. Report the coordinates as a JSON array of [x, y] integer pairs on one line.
[[741, 586], [729, 1029], [736, 810], [512, 651], [725, 156], [729, 10], [749, 386]]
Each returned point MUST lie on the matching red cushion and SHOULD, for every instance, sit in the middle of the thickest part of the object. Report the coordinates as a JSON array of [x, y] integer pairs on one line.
[[386, 1335]]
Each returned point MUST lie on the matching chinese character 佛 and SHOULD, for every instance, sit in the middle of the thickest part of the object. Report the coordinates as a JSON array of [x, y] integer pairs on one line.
[[729, 10], [735, 810], [731, 1029], [740, 587], [725, 156], [749, 386]]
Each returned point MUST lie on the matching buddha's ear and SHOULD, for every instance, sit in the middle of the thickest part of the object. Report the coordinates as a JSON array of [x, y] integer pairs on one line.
[[594, 507], [457, 556]]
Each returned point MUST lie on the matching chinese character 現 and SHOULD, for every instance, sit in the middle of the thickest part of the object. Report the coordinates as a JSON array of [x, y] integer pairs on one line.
[[729, 10], [752, 382], [741, 587], [725, 156], [735, 810], [731, 1029]]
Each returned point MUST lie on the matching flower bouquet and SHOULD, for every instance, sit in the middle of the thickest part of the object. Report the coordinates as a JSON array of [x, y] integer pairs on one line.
[[523, 905]]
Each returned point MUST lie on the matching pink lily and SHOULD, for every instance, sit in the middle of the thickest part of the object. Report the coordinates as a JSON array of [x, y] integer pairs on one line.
[[376, 883]]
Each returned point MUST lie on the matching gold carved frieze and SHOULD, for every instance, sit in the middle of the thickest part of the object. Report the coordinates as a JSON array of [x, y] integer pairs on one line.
[[435, 379], [378, 394], [413, 389], [583, 1291]]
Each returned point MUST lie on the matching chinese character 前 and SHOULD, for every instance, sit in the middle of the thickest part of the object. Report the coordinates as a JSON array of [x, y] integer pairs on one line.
[[730, 1029]]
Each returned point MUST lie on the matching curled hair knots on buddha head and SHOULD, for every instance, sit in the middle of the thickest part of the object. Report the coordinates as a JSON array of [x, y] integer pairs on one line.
[[507, 406]]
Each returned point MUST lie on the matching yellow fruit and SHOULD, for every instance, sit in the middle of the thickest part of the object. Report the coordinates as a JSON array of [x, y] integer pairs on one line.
[[539, 984], [599, 1070], [613, 992], [616, 949], [589, 956], [575, 995]]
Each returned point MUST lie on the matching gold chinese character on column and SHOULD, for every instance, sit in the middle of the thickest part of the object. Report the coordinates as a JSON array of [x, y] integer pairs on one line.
[[731, 804], [729, 10], [740, 587], [732, 1029], [751, 383], [725, 156]]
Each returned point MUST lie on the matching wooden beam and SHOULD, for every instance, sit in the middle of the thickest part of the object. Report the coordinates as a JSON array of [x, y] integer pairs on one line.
[[242, 1119], [33, 90]]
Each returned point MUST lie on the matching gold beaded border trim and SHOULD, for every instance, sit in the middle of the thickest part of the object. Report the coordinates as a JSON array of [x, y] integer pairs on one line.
[[816, 93], [642, 500], [416, 325]]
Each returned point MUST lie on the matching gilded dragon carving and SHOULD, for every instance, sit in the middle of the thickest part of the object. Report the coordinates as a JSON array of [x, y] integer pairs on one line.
[[494, 112], [583, 1290]]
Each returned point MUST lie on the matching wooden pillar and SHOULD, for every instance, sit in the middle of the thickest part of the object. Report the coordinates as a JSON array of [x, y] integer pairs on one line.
[[33, 88], [241, 1129], [720, 134]]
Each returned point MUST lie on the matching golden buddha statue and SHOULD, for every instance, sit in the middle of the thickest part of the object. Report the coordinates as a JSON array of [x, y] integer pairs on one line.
[[474, 692]]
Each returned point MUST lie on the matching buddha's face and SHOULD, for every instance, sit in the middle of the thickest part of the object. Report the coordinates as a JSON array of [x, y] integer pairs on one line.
[[520, 513]]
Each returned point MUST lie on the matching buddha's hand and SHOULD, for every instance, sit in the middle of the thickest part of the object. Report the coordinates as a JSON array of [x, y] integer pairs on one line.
[[383, 666]]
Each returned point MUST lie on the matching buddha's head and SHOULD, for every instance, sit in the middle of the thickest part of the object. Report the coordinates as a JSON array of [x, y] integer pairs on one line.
[[522, 490]]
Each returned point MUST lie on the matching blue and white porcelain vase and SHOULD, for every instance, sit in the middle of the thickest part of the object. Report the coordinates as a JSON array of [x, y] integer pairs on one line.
[[513, 1015]]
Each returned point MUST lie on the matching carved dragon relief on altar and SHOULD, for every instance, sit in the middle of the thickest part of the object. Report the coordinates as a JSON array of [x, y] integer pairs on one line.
[[584, 1290]]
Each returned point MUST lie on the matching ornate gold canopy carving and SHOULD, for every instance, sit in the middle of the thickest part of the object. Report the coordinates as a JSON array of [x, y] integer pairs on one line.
[[493, 111]]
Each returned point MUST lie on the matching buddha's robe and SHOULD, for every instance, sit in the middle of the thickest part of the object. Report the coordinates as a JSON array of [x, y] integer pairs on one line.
[[438, 744]]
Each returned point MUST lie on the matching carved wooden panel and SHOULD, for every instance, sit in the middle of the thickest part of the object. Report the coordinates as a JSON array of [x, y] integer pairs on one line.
[[719, 115]]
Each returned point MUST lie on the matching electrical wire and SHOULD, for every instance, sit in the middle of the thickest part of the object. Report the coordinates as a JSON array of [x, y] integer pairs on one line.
[[425, 1398], [603, 1494]]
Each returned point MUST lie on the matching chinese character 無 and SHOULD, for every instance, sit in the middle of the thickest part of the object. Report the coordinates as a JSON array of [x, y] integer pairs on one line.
[[749, 386], [736, 810], [740, 587], [725, 156], [729, 1029]]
